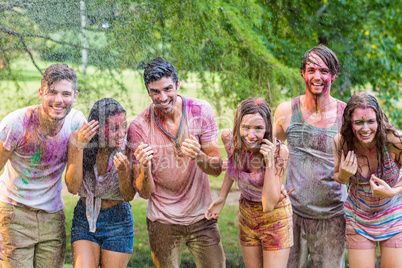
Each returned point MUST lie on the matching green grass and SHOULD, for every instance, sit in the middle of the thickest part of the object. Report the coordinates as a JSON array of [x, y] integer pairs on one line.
[[141, 256]]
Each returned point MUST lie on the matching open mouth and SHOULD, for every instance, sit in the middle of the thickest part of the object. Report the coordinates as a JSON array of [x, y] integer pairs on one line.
[[317, 85], [58, 108], [251, 143], [365, 135], [120, 142], [164, 104]]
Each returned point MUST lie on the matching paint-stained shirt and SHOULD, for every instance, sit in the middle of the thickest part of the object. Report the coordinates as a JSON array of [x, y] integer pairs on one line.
[[32, 175], [311, 167], [376, 218], [182, 193], [96, 187]]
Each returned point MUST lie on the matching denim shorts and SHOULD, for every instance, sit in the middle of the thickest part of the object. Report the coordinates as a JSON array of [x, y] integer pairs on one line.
[[114, 227]]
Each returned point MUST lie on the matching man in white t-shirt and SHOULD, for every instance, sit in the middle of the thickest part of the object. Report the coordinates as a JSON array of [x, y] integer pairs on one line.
[[33, 153]]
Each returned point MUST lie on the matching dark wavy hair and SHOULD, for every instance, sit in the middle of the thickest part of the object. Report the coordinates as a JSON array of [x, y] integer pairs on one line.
[[326, 55], [251, 106], [101, 111], [365, 100], [158, 68]]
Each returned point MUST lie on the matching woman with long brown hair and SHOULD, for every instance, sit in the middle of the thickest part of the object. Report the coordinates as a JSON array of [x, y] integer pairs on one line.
[[257, 162], [368, 158]]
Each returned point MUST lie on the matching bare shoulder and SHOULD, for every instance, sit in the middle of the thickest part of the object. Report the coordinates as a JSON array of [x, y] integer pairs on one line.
[[395, 142], [395, 137], [282, 118], [285, 108], [225, 136]]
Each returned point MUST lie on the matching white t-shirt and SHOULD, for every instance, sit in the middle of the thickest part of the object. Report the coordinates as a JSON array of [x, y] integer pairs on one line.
[[32, 175]]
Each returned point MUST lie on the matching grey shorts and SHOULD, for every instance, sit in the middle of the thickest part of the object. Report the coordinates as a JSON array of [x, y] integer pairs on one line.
[[321, 241]]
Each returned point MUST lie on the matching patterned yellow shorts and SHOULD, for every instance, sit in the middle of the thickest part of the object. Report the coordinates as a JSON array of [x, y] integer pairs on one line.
[[272, 230]]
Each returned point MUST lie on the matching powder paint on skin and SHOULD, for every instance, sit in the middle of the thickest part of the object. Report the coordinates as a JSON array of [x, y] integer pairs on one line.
[[24, 181]]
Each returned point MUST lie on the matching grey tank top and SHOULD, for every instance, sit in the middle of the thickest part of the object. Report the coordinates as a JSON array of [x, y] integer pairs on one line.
[[311, 167]]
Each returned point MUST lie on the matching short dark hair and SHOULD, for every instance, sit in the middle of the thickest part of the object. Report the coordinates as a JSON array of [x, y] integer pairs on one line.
[[57, 72], [158, 68], [326, 55]]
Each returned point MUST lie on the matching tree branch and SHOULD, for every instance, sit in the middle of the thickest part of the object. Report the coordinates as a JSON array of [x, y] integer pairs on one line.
[[19, 35], [29, 53]]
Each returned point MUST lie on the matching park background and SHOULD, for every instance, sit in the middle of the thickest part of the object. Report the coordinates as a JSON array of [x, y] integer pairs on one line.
[[225, 51]]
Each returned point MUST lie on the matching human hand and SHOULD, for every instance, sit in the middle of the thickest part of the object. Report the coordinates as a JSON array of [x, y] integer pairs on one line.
[[268, 151], [86, 133], [348, 166], [2, 249], [215, 208], [191, 147], [144, 153], [121, 162], [284, 193], [380, 188]]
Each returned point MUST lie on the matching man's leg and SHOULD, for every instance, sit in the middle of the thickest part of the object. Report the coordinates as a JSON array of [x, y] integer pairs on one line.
[[326, 240], [204, 243], [18, 227], [166, 242], [298, 252], [51, 248]]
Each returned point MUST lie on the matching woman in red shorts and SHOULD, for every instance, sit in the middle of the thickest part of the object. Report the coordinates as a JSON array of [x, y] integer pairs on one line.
[[257, 163]]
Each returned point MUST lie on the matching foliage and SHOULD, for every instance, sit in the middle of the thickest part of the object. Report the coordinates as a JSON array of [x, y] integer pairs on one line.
[[238, 48]]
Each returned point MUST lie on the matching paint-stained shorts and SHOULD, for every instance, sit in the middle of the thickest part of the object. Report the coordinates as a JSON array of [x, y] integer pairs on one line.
[[320, 240], [114, 227], [272, 230], [202, 238], [32, 237], [355, 240]]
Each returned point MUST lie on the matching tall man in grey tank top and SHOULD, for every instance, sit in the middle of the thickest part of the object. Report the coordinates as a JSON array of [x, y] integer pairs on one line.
[[309, 122]]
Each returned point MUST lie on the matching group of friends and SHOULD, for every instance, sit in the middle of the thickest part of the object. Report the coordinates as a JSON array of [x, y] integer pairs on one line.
[[166, 154]]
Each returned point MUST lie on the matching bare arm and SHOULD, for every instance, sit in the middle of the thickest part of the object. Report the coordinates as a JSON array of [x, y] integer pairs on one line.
[[273, 176], [207, 155], [4, 156], [217, 205], [282, 117], [76, 144], [344, 168], [124, 176], [379, 187], [143, 180]]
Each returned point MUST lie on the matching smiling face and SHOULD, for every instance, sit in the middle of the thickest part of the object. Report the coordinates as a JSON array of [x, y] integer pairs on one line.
[[115, 130], [252, 131], [57, 100], [163, 93], [317, 77], [364, 125]]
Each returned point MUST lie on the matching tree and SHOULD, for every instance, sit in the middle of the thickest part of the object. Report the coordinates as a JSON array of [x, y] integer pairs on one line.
[[238, 48]]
